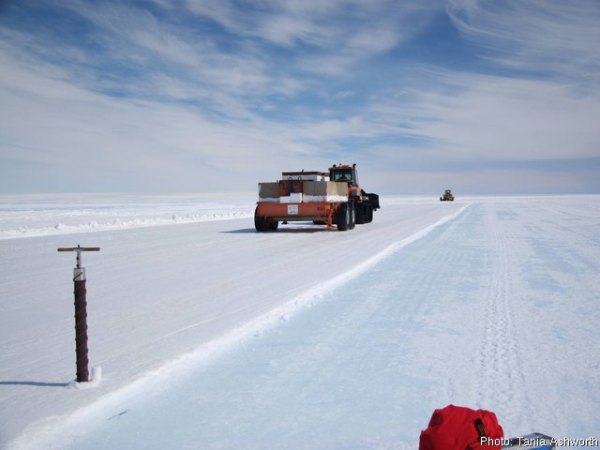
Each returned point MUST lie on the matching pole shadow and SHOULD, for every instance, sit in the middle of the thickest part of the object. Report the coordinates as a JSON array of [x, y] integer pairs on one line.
[[32, 383]]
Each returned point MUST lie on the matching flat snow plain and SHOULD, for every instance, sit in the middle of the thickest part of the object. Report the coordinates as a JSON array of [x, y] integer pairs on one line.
[[212, 336]]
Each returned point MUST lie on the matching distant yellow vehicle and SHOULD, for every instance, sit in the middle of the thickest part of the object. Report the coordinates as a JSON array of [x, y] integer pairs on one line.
[[447, 197]]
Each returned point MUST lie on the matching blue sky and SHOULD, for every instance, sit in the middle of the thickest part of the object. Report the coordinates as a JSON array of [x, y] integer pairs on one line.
[[498, 97]]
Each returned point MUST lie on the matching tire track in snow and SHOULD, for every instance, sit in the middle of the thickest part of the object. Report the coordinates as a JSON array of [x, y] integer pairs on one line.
[[501, 380]]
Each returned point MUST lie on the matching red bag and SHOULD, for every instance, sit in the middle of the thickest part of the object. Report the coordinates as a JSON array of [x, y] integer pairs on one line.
[[459, 428]]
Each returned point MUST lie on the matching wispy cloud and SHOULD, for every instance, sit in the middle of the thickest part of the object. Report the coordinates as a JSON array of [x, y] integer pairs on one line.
[[550, 37], [336, 24], [331, 37], [497, 118]]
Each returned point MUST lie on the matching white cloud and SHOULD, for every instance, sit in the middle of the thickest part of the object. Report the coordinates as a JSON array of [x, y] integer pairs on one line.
[[352, 28], [560, 37], [155, 51], [70, 130], [494, 118]]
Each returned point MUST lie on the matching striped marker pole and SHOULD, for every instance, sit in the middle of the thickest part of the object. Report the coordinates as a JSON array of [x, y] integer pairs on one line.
[[81, 338]]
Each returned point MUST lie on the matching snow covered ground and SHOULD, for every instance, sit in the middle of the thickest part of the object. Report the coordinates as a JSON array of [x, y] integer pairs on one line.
[[212, 336]]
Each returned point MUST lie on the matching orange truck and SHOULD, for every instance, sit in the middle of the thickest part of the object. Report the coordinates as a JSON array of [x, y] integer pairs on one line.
[[333, 198]]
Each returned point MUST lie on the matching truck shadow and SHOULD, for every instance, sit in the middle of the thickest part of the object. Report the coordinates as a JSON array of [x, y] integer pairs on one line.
[[285, 229], [242, 231]]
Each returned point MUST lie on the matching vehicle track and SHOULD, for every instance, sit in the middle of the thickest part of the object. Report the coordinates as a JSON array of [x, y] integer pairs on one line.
[[501, 376]]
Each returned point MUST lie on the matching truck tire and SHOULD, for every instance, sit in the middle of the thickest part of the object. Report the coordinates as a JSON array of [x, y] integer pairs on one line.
[[263, 224], [260, 223], [368, 213], [343, 217], [361, 213], [352, 215]]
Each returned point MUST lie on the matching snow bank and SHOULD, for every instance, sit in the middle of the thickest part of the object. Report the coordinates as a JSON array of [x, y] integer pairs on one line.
[[24, 216]]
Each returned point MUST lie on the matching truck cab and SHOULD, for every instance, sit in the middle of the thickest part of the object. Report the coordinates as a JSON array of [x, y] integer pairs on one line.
[[344, 173]]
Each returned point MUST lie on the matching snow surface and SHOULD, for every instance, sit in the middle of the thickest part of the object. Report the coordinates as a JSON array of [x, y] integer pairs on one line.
[[213, 336], [42, 215]]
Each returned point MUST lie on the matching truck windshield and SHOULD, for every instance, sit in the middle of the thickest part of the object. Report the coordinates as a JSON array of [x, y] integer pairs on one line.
[[341, 175]]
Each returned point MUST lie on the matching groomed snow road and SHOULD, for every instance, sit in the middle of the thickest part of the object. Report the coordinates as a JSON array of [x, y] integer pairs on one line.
[[495, 308]]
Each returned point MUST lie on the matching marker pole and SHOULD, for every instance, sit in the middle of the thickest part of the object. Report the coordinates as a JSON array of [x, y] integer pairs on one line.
[[81, 338]]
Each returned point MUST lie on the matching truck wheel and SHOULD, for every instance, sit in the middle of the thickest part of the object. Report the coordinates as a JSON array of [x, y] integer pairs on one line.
[[260, 222], [352, 216], [361, 210], [272, 225], [368, 213], [343, 217]]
